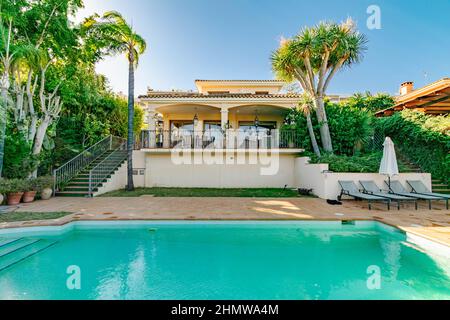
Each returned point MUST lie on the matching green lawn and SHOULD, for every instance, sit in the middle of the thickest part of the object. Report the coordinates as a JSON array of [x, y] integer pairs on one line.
[[206, 192], [30, 216]]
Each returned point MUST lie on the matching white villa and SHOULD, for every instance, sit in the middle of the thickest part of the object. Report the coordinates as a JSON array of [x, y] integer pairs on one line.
[[228, 132]]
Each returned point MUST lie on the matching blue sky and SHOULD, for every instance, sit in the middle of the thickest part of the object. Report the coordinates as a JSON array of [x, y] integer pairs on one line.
[[233, 39]]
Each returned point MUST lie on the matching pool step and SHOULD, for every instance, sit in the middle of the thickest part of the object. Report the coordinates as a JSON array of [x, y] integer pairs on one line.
[[16, 245], [4, 242], [24, 252]]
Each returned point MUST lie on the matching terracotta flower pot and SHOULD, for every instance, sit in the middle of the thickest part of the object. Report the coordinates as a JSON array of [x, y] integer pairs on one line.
[[46, 194], [29, 196], [14, 198]]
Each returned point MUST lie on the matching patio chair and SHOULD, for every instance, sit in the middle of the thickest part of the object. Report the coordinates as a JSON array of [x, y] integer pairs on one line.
[[420, 188], [350, 189], [370, 187], [397, 188]]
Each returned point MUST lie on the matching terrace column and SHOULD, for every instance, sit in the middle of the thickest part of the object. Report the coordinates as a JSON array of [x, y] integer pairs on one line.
[[224, 122], [152, 130], [224, 117]]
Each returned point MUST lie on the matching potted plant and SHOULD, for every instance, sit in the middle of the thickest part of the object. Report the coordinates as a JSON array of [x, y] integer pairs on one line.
[[2, 190], [45, 187], [32, 187], [14, 191]]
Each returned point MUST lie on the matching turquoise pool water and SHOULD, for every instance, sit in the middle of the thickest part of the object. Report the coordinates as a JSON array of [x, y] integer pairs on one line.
[[236, 260]]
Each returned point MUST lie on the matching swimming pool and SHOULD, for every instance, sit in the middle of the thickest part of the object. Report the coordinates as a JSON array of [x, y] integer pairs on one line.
[[218, 260]]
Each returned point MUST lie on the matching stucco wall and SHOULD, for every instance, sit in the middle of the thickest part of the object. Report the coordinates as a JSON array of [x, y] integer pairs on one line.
[[326, 184], [161, 171], [158, 170], [116, 182]]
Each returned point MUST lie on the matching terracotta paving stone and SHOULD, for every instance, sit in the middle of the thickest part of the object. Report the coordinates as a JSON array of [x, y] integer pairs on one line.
[[432, 224]]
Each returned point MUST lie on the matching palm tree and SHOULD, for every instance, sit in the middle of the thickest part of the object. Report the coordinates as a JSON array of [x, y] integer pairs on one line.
[[115, 36], [306, 106], [6, 58], [313, 57]]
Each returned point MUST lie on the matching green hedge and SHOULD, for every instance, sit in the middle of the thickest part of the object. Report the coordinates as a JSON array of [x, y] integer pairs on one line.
[[424, 139], [369, 163]]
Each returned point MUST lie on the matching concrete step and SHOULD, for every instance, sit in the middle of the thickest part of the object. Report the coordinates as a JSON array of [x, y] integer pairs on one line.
[[440, 185], [75, 194], [79, 185], [86, 177], [79, 189], [447, 190]]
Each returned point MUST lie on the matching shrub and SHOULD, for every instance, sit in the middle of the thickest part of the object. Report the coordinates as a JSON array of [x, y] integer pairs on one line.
[[350, 127], [18, 161], [369, 163], [371, 103], [32, 184], [12, 186], [424, 139], [44, 183]]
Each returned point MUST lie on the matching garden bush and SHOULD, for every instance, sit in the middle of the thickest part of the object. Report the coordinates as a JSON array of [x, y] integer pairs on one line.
[[18, 161], [424, 139], [351, 128], [369, 163]]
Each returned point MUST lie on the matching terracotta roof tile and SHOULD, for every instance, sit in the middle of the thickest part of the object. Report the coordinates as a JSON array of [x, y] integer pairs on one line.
[[263, 81], [193, 95]]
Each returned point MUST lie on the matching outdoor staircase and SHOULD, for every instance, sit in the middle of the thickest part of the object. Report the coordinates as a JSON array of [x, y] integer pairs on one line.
[[85, 174], [79, 185], [438, 186], [15, 250]]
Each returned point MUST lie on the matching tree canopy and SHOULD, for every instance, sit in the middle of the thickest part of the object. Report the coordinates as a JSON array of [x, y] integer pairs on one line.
[[59, 57], [313, 57]]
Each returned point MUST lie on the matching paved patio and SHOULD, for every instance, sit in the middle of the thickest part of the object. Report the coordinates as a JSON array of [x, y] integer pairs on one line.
[[434, 224]]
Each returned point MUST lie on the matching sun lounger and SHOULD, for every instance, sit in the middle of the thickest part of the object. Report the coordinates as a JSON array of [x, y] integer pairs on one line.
[[349, 188], [370, 187], [420, 188], [397, 188]]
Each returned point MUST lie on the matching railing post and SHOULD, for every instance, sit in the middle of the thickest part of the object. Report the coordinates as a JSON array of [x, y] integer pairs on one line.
[[54, 182], [110, 142], [90, 183]]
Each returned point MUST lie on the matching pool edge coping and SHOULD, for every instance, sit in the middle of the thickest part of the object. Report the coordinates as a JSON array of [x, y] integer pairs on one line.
[[410, 234]]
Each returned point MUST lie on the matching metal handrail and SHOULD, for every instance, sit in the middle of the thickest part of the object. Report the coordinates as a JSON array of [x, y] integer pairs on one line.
[[108, 165], [74, 166], [220, 139]]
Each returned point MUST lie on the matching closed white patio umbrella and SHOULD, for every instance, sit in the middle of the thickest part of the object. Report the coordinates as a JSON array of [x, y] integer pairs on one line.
[[389, 166]]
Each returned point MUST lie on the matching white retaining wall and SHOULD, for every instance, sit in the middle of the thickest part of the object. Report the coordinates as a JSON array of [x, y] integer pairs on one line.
[[161, 171], [325, 184], [158, 170]]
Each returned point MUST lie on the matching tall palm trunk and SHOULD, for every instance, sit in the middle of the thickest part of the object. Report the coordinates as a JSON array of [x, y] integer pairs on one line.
[[323, 121], [130, 141], [312, 135], [3, 116]]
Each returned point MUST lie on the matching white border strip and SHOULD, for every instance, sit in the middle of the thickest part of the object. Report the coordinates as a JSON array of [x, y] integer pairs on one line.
[[430, 246]]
